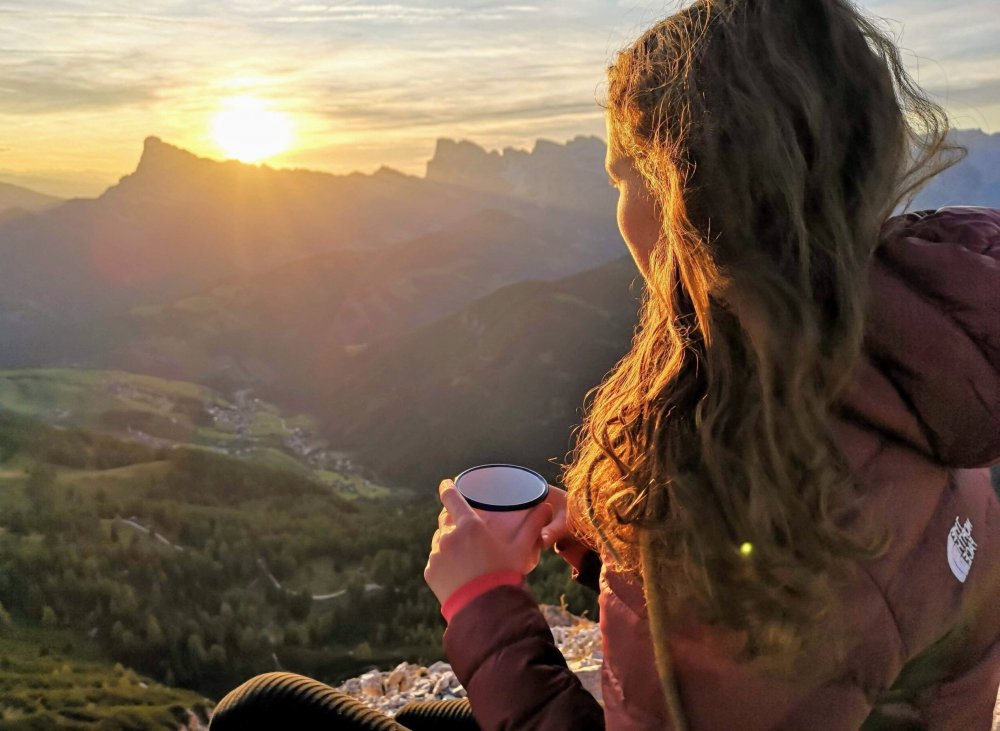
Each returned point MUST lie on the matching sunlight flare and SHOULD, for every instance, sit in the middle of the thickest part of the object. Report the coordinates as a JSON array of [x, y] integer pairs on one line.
[[245, 129]]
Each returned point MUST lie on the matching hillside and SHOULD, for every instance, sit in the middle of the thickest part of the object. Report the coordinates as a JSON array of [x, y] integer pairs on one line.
[[16, 201], [292, 326], [234, 276], [162, 413], [53, 678], [180, 224], [200, 570], [191, 567], [502, 380]]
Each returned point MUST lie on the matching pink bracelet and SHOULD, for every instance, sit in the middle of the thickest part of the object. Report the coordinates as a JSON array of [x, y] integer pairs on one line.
[[476, 587]]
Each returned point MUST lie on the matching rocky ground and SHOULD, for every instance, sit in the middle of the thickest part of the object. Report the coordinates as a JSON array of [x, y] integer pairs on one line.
[[579, 640]]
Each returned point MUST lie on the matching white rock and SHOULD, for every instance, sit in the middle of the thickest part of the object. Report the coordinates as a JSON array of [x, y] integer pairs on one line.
[[446, 682], [578, 639], [351, 687], [406, 683], [399, 675], [371, 683]]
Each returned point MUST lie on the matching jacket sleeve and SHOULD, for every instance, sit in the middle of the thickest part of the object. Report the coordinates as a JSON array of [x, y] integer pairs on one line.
[[503, 652], [937, 327]]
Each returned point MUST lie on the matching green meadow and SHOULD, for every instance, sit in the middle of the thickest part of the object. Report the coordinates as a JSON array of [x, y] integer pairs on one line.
[[161, 412], [54, 678]]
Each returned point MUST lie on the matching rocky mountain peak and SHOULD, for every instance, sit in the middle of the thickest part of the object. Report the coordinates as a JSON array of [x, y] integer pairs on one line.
[[465, 163], [159, 157], [552, 173]]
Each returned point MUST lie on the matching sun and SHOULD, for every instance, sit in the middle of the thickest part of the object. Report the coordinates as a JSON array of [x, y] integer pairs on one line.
[[245, 129]]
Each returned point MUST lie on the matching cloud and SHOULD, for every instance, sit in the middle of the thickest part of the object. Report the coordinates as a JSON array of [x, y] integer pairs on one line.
[[399, 13], [393, 116], [45, 86], [982, 93], [69, 55], [378, 73]]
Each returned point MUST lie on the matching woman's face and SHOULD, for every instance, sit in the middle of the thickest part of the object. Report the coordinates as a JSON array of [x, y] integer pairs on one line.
[[637, 211]]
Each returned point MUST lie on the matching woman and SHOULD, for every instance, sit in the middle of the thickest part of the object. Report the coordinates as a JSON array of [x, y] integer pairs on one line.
[[781, 485]]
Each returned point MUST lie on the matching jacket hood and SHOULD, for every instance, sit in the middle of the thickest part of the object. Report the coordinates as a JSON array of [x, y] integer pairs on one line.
[[930, 375]]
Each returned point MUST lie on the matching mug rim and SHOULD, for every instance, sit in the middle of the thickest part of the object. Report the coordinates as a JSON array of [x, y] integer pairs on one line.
[[503, 508]]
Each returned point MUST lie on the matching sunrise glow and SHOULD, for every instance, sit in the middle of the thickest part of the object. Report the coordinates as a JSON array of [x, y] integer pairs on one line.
[[245, 129]]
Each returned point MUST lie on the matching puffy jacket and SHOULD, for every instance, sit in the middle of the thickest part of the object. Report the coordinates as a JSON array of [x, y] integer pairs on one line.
[[919, 426]]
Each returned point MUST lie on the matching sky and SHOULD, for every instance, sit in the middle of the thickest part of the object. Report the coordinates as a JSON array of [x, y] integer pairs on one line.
[[366, 83]]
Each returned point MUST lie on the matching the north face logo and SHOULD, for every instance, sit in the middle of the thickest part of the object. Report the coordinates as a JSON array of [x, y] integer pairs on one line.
[[961, 549]]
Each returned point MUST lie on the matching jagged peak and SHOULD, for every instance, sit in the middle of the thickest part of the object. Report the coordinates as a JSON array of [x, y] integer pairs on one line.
[[449, 146], [586, 141], [544, 145], [153, 145], [159, 156]]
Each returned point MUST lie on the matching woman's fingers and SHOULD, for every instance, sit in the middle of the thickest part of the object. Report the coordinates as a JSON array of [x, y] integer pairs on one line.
[[444, 518], [555, 529], [464, 545], [454, 502], [530, 531]]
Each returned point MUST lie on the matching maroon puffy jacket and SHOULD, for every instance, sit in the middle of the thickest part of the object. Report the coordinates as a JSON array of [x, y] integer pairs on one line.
[[919, 426]]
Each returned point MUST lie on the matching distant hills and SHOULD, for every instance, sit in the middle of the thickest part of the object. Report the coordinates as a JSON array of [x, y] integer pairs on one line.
[[297, 320], [349, 251], [181, 223], [16, 201], [973, 182], [501, 380], [168, 414]]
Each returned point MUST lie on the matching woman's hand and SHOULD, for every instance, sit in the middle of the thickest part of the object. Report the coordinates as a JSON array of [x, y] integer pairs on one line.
[[555, 529], [463, 546]]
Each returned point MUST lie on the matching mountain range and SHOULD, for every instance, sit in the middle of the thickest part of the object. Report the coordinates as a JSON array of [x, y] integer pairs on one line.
[[179, 224], [975, 181], [432, 320], [16, 201]]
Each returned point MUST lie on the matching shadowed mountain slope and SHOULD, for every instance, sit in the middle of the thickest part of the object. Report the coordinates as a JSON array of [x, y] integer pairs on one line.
[[16, 201], [502, 380]]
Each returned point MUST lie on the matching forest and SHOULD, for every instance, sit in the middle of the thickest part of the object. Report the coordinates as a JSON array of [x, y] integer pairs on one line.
[[200, 570]]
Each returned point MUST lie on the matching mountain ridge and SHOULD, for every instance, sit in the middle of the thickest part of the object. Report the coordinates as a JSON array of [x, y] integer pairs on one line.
[[17, 200], [179, 223]]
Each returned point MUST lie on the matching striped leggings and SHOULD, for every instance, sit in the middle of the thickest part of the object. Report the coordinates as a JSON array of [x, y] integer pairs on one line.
[[286, 700]]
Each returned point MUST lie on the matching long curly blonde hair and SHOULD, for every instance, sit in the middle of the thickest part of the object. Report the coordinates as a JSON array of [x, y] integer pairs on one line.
[[776, 136]]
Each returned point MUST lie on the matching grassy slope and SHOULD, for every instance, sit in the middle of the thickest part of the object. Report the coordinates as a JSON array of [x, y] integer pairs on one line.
[[51, 678], [130, 482], [172, 412], [69, 545]]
